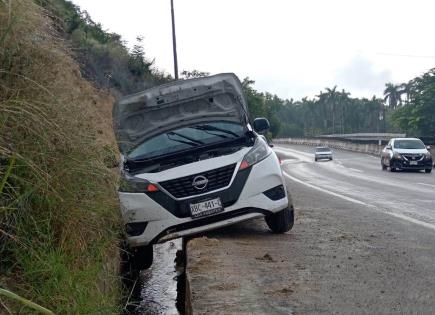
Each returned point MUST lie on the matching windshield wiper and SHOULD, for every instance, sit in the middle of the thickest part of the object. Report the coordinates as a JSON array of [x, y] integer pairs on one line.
[[183, 136], [213, 128]]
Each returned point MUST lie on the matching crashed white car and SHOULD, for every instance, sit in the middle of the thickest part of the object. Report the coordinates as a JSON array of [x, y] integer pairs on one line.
[[191, 162]]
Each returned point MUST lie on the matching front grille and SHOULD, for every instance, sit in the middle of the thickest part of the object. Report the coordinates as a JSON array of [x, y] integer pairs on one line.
[[183, 186], [413, 157]]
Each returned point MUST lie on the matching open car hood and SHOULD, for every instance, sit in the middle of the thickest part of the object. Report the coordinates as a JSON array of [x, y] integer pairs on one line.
[[141, 116]]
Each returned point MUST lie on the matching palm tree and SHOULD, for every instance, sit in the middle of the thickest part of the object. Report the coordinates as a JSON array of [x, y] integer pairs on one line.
[[406, 89], [392, 95], [332, 96], [344, 99], [323, 104]]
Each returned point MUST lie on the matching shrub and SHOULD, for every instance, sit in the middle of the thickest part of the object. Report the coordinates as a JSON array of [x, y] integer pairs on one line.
[[58, 211]]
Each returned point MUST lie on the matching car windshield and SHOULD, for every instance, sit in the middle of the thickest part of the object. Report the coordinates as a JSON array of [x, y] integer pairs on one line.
[[408, 144], [186, 137], [322, 150]]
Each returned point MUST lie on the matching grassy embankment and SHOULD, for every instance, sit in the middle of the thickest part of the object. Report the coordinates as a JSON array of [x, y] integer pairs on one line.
[[58, 211]]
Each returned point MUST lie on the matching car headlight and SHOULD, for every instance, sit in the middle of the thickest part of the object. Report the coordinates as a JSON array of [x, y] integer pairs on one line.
[[428, 155], [259, 152], [133, 184], [397, 155]]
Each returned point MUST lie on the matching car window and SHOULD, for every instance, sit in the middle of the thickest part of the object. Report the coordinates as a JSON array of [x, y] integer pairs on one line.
[[322, 150], [186, 137], [409, 144]]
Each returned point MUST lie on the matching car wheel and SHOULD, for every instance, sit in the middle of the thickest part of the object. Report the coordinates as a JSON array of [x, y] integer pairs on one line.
[[135, 259], [392, 168], [315, 159], [428, 170], [281, 221], [330, 159], [384, 167]]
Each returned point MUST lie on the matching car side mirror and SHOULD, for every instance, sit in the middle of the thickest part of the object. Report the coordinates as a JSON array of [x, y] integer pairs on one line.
[[428, 147], [261, 125], [388, 147], [271, 145]]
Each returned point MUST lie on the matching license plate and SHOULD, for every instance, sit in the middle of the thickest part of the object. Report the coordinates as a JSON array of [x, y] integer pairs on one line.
[[413, 163], [205, 208]]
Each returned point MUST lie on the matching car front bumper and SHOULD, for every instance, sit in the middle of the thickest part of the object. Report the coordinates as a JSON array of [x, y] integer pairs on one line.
[[160, 217], [407, 165], [323, 156]]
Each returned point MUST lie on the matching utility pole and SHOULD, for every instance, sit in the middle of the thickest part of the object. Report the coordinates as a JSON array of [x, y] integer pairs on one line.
[[174, 41]]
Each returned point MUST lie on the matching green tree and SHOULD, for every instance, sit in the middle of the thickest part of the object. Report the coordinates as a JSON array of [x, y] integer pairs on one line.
[[254, 99], [138, 64], [393, 95], [418, 116]]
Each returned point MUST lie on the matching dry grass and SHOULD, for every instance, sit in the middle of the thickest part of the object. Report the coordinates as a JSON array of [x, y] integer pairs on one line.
[[58, 211]]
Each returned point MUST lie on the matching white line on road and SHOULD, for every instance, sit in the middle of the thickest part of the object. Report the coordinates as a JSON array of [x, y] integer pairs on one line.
[[337, 166], [397, 215], [328, 191], [426, 185]]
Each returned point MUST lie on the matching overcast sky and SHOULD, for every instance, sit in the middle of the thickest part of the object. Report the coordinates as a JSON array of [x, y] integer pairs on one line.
[[290, 48]]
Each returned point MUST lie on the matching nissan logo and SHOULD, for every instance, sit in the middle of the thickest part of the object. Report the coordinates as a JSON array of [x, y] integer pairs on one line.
[[200, 182]]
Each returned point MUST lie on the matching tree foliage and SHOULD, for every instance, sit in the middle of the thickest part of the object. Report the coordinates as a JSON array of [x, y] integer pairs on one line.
[[330, 112], [104, 56], [417, 115]]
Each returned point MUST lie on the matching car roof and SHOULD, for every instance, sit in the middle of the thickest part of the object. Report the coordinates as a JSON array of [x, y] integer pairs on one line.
[[394, 139]]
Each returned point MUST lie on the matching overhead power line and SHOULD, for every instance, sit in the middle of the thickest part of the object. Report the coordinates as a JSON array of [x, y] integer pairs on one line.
[[406, 55]]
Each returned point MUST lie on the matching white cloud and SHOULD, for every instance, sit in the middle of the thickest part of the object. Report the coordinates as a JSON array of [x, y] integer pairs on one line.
[[361, 77]]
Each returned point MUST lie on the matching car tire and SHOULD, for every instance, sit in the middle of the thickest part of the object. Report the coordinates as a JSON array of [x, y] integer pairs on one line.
[[133, 260], [392, 168], [384, 167], [428, 170], [281, 221], [330, 159], [315, 159]]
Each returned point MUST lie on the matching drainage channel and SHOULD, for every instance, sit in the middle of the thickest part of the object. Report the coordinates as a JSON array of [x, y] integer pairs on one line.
[[161, 288]]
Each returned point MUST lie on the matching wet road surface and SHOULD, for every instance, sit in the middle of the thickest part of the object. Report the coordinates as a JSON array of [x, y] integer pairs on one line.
[[357, 178], [363, 242]]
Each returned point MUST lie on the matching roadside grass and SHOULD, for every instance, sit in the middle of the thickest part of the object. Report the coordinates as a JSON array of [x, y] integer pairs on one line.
[[59, 222]]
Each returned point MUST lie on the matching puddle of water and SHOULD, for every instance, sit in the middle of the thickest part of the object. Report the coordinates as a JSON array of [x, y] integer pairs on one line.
[[157, 286]]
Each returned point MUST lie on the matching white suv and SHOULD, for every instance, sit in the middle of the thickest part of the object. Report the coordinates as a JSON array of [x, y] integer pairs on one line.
[[191, 162]]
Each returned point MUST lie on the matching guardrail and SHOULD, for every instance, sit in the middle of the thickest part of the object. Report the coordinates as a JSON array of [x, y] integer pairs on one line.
[[360, 146], [365, 136], [371, 143]]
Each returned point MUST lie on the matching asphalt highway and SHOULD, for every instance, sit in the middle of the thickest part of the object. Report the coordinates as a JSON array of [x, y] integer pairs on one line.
[[358, 178], [363, 243]]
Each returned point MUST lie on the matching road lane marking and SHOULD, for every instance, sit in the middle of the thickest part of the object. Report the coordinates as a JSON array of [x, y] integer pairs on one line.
[[426, 185], [337, 167], [353, 200], [328, 191]]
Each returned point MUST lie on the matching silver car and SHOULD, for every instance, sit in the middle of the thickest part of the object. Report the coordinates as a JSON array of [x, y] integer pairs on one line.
[[322, 153], [406, 154]]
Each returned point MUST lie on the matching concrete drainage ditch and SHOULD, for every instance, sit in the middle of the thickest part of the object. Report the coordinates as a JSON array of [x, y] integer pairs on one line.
[[161, 288]]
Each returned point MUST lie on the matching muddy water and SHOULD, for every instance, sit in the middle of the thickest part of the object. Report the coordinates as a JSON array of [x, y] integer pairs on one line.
[[158, 284]]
